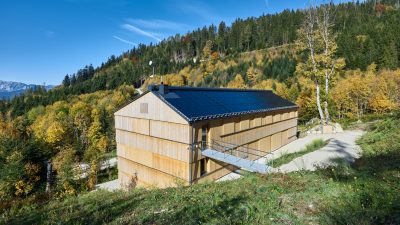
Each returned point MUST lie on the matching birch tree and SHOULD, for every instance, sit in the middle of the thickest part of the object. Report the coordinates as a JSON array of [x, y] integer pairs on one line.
[[322, 67], [309, 39], [329, 64]]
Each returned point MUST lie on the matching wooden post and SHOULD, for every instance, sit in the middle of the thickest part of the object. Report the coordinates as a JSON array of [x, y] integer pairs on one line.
[[191, 155]]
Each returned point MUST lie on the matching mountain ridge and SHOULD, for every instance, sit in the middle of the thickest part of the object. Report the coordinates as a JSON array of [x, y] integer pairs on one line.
[[10, 89]]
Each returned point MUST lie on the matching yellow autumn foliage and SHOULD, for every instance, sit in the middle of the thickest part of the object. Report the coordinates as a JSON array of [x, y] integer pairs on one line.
[[55, 133], [185, 72], [264, 84], [359, 92], [238, 82], [22, 188], [254, 74]]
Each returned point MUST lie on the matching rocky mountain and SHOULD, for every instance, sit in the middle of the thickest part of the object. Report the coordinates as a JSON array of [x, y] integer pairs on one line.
[[9, 89]]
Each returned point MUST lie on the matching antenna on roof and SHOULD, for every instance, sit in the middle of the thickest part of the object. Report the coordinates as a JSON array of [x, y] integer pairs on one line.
[[151, 64]]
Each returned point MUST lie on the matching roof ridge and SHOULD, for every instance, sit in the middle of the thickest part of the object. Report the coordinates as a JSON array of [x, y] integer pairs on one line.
[[216, 89]]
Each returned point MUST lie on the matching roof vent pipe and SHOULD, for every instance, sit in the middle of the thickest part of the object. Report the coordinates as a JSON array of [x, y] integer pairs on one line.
[[163, 89]]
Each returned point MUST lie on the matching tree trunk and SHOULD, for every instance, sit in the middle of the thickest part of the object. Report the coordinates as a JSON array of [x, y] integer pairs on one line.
[[327, 116], [48, 178], [321, 114]]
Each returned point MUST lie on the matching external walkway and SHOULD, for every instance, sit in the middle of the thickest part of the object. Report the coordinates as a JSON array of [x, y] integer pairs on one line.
[[246, 164], [239, 156], [340, 146]]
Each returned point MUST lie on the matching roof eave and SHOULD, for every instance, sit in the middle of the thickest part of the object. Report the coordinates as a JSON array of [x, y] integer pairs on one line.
[[225, 115]]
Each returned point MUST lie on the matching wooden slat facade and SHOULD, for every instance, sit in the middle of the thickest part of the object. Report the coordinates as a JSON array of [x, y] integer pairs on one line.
[[157, 110], [154, 142], [265, 131], [172, 149]]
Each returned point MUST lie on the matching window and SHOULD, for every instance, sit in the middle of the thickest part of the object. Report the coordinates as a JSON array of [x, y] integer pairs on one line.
[[204, 136], [144, 108], [203, 167]]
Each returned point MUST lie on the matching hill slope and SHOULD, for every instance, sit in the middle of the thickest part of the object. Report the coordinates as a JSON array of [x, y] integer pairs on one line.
[[365, 193]]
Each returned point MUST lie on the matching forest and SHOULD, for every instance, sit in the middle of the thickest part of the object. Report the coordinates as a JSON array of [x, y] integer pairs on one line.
[[73, 123]]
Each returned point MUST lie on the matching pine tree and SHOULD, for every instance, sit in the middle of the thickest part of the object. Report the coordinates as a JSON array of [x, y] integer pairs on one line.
[[220, 41], [66, 82]]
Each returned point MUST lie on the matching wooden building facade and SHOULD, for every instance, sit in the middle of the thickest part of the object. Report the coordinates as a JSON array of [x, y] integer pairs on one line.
[[158, 134]]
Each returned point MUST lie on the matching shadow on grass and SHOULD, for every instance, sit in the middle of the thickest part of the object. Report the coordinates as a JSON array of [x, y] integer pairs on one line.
[[371, 191], [227, 211], [95, 208], [159, 206], [371, 185]]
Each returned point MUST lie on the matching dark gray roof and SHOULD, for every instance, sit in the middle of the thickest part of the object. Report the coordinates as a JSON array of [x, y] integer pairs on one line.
[[196, 104]]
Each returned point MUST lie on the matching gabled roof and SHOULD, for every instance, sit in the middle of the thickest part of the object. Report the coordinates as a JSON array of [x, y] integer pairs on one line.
[[195, 104]]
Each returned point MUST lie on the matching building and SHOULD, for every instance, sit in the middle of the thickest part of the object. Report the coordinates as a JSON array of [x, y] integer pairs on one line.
[[161, 135]]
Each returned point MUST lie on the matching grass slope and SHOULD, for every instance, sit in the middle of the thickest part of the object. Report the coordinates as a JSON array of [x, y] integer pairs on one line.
[[286, 158], [365, 193]]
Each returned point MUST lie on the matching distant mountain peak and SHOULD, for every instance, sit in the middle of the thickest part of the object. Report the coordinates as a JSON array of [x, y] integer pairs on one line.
[[9, 89]]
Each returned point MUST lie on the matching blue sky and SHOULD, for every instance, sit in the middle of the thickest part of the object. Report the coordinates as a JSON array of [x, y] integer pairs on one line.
[[42, 40]]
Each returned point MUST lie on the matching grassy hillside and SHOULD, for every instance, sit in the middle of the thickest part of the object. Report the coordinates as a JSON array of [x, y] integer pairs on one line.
[[364, 193]]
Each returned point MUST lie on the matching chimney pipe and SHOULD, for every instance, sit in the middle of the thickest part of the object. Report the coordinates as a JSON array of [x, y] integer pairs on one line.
[[163, 89]]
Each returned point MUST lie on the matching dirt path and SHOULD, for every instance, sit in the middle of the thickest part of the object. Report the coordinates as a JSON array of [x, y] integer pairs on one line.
[[110, 185], [341, 146]]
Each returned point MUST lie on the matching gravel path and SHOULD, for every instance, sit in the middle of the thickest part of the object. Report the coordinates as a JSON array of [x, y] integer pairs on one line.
[[110, 185], [341, 145]]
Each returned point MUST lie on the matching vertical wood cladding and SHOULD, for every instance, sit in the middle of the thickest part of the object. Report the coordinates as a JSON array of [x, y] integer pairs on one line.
[[265, 131], [156, 110], [153, 141]]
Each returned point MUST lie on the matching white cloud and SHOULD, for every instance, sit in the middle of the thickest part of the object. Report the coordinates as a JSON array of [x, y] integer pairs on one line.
[[158, 24], [141, 32], [124, 41]]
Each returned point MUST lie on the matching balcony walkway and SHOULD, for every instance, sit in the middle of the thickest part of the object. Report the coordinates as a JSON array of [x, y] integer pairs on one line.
[[246, 164], [239, 156]]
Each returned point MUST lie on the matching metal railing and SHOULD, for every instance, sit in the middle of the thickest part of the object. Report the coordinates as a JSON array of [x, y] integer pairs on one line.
[[240, 151]]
